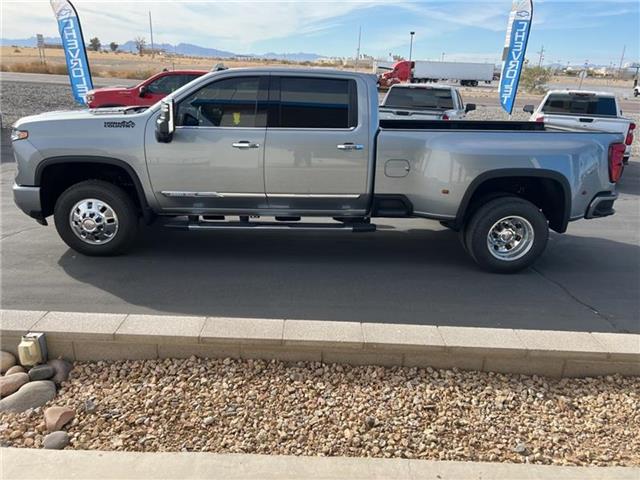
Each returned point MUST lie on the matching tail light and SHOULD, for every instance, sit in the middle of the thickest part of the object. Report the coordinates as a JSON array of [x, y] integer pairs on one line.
[[540, 119], [445, 117], [616, 165], [629, 139]]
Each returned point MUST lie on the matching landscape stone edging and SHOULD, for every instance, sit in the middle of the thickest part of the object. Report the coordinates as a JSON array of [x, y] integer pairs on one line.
[[539, 352]]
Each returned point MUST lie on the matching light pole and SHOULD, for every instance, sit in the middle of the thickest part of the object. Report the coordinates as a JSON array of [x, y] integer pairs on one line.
[[410, 54]]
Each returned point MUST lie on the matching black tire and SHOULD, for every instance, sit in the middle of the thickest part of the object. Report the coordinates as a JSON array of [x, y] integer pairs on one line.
[[488, 215], [120, 203]]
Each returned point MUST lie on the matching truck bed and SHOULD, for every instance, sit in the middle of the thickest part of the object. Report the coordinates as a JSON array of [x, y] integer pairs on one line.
[[460, 125]]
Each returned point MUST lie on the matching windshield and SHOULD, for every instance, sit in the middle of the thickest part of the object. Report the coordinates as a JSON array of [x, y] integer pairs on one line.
[[580, 104], [417, 98]]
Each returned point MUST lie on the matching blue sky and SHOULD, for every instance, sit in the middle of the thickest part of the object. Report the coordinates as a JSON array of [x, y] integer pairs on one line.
[[571, 31]]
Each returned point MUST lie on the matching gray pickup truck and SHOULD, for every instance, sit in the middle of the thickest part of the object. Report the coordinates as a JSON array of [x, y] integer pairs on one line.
[[293, 143]]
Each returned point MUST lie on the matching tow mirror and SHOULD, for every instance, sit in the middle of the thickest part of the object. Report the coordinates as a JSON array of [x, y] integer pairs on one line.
[[143, 90], [528, 108], [470, 107], [165, 123]]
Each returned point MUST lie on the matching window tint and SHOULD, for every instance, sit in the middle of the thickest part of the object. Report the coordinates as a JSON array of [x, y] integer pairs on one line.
[[225, 103], [317, 103], [580, 105], [418, 98], [166, 85]]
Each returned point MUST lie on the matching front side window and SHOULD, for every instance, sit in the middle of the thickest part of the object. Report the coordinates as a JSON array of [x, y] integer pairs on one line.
[[166, 84], [578, 104], [317, 103], [231, 102]]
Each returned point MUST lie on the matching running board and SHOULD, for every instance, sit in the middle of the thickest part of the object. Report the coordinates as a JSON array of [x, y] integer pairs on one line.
[[204, 225]]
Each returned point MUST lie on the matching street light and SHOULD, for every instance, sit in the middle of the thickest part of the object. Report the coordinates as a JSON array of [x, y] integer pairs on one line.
[[410, 53]]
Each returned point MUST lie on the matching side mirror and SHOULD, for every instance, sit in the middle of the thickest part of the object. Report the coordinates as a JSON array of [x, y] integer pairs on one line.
[[165, 123], [529, 108], [143, 90], [470, 107]]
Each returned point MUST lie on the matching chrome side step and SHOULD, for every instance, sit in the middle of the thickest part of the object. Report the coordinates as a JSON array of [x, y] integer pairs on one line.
[[235, 225]]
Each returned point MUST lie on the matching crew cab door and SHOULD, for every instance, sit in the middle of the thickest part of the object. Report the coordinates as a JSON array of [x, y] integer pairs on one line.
[[317, 154], [215, 159]]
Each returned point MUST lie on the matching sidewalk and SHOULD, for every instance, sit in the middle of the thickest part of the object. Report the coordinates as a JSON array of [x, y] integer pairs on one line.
[[76, 464]]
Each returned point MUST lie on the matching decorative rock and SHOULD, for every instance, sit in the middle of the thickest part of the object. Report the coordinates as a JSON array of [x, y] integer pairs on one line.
[[7, 360], [56, 441], [89, 405], [57, 417], [41, 372], [11, 383], [521, 448], [208, 420], [31, 395], [16, 369], [62, 369]]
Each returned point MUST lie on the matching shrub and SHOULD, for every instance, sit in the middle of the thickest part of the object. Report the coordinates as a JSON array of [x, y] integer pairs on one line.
[[535, 79]]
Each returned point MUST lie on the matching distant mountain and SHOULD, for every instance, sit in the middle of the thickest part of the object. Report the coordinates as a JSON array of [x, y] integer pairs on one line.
[[27, 42], [187, 49]]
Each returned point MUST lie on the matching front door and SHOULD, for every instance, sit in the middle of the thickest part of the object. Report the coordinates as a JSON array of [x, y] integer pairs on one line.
[[317, 154], [215, 161]]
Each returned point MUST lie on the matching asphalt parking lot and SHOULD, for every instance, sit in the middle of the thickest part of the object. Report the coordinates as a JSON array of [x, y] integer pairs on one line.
[[411, 271]]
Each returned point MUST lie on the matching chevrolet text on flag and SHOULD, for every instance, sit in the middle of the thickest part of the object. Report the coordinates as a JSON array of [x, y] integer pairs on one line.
[[74, 49], [515, 48]]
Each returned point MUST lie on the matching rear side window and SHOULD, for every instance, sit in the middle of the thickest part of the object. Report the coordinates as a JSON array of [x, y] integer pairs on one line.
[[231, 102], [581, 105], [316, 103], [419, 98]]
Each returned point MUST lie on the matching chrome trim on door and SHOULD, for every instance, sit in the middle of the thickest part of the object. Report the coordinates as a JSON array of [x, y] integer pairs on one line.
[[211, 194], [350, 146], [314, 195]]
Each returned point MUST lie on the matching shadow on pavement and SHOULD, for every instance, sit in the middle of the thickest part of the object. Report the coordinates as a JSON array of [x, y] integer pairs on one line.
[[414, 276]]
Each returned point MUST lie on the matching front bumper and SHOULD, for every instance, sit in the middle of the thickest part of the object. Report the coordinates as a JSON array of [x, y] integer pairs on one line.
[[601, 205], [28, 200]]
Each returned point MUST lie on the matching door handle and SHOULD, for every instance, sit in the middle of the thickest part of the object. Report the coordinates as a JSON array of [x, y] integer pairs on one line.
[[350, 146], [245, 144]]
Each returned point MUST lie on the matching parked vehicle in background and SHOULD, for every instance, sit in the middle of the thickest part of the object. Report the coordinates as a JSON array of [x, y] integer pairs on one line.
[[146, 93], [636, 90], [410, 101], [585, 110], [468, 74], [217, 149]]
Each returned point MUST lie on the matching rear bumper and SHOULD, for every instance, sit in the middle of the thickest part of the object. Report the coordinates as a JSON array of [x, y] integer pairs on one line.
[[28, 200], [602, 205]]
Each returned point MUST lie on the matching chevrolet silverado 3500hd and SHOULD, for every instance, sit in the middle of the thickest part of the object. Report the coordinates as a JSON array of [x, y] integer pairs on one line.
[[292, 143]]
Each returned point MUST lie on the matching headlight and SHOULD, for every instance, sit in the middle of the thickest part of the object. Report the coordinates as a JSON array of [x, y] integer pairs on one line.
[[18, 135]]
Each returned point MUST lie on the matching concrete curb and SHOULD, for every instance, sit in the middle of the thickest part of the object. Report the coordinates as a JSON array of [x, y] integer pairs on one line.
[[23, 463], [100, 336]]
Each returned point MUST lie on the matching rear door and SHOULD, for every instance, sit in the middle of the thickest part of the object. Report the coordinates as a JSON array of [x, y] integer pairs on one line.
[[317, 147]]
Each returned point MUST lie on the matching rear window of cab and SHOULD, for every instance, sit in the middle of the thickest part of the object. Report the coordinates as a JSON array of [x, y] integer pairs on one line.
[[572, 104]]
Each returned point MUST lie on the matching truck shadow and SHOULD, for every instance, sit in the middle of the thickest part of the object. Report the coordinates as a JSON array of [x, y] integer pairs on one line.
[[393, 276]]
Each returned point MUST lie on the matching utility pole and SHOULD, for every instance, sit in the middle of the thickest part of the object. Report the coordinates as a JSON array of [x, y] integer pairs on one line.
[[153, 52], [358, 51], [411, 44], [442, 58], [541, 57], [624, 49]]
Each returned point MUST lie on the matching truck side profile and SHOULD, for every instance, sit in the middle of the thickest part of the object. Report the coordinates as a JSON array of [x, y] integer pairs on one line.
[[293, 143]]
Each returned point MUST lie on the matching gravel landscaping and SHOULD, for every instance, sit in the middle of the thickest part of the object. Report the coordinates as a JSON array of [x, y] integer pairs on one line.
[[234, 406]]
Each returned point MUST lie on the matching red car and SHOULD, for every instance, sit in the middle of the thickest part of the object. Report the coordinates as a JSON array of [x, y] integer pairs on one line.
[[146, 93]]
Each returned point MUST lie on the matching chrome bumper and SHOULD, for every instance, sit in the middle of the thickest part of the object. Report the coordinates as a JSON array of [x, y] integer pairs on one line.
[[28, 200]]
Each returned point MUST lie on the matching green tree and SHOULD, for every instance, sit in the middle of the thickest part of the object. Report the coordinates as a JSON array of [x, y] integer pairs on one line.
[[535, 79], [94, 44], [113, 46]]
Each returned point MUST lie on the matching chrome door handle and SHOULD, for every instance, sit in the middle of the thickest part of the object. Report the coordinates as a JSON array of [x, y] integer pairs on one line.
[[245, 144], [350, 146]]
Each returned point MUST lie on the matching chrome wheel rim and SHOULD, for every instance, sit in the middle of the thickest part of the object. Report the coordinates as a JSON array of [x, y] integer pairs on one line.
[[510, 238], [93, 221]]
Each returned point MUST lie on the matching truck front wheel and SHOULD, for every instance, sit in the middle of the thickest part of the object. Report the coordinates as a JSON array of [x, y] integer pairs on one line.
[[96, 218], [506, 234]]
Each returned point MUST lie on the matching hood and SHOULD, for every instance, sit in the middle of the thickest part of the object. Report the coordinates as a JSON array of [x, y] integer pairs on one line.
[[120, 113]]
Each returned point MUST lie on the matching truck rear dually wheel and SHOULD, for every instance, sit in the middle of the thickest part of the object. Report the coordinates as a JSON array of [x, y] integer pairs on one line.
[[506, 234], [96, 218]]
